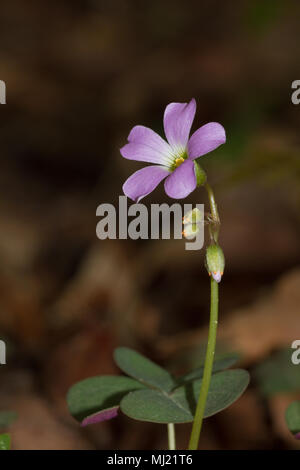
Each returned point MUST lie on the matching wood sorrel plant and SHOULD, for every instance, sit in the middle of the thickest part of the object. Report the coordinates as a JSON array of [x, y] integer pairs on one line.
[[149, 392]]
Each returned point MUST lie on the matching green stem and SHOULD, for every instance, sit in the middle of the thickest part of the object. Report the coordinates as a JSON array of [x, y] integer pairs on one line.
[[208, 366], [212, 202], [214, 228], [171, 436]]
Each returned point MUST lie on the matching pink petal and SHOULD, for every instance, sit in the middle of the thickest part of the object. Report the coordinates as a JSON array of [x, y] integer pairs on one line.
[[144, 181], [205, 139], [147, 146], [146, 136], [178, 120], [144, 153], [182, 181]]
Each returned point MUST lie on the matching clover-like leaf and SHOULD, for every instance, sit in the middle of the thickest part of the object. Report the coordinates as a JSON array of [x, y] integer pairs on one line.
[[292, 417], [7, 418], [145, 371], [4, 441], [219, 365], [154, 406], [99, 396], [179, 406], [225, 388]]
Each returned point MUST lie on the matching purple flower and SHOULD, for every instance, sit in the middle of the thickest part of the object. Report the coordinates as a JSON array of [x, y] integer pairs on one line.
[[173, 160]]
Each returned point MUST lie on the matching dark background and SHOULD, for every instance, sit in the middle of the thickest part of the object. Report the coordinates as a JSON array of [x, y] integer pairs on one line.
[[79, 76]]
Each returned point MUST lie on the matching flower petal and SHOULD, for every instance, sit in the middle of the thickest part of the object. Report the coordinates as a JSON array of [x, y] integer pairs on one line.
[[178, 120], [182, 181], [205, 139], [147, 146], [146, 136], [144, 153], [144, 181]]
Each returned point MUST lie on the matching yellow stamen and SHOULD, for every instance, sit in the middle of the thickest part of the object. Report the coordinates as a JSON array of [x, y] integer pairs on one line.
[[178, 161]]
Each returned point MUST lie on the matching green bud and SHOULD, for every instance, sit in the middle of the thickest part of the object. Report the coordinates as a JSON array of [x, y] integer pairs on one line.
[[215, 262], [200, 174]]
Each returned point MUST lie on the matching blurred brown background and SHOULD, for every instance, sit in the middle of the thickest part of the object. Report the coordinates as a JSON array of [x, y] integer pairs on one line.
[[79, 75]]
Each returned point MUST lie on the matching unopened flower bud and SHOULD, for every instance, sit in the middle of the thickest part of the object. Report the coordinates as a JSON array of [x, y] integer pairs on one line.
[[193, 216], [191, 222], [215, 262], [190, 231], [200, 174]]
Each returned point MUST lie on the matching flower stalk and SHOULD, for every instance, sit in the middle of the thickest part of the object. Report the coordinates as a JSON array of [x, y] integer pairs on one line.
[[171, 436], [214, 222], [214, 226], [209, 361]]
